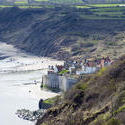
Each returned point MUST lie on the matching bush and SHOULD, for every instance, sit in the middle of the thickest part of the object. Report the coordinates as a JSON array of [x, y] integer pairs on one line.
[[120, 109], [113, 121], [101, 71], [74, 119], [63, 72], [52, 100], [99, 121], [75, 96], [82, 86], [120, 100], [86, 45]]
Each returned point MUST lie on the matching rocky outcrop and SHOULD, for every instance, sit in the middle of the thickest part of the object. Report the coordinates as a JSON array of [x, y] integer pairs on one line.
[[30, 115], [34, 115]]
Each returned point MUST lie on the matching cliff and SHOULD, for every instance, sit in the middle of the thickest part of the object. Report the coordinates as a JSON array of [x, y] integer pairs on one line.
[[98, 99], [64, 32]]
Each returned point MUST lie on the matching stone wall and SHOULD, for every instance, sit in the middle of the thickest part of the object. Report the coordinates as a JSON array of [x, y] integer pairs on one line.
[[56, 81]]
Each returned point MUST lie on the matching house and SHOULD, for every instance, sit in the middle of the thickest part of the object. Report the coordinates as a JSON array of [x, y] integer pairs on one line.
[[72, 69], [87, 70], [93, 65], [55, 69]]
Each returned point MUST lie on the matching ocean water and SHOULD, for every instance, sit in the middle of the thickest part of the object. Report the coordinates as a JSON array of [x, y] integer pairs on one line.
[[18, 71]]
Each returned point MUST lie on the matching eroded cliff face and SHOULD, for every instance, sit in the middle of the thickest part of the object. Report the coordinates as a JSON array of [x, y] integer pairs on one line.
[[98, 99], [62, 32]]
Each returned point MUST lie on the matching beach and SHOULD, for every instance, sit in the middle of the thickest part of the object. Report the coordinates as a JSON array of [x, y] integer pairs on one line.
[[19, 73]]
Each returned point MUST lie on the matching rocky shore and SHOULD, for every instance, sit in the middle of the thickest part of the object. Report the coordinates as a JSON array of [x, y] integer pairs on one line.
[[30, 115]]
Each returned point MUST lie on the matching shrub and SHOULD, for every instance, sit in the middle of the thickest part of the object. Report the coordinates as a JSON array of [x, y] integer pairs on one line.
[[52, 100], [113, 121], [86, 45], [120, 109], [99, 121], [75, 96], [82, 86], [101, 71], [120, 100], [74, 119], [63, 72]]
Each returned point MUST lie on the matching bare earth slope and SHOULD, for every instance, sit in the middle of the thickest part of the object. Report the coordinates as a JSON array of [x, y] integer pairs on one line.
[[62, 32]]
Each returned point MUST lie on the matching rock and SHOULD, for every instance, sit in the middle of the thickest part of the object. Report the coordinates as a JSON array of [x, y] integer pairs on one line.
[[30, 115]]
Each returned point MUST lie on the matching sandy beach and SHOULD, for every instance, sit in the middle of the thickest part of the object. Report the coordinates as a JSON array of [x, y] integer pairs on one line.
[[18, 71]]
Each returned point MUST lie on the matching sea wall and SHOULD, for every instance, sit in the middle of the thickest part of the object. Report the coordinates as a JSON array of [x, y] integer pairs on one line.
[[56, 81]]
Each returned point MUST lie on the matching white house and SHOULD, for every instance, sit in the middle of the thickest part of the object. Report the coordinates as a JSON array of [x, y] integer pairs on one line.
[[87, 70]]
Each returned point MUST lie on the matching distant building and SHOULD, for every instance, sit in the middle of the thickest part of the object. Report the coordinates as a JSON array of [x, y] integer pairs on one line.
[[53, 80], [92, 65], [55, 69], [87, 70], [72, 69]]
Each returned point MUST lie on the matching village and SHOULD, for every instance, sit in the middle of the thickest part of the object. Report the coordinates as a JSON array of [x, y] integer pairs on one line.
[[63, 77]]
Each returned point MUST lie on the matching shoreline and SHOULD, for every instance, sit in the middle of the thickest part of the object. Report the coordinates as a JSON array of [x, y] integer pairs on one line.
[[14, 93]]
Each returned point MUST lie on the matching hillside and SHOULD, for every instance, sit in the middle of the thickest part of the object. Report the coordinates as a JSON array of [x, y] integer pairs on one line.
[[64, 1], [97, 99], [103, 1], [80, 2], [65, 32], [85, 1]]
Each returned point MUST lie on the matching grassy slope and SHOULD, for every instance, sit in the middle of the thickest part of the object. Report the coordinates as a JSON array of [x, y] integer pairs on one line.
[[98, 3], [82, 1], [62, 1], [65, 32], [98, 99]]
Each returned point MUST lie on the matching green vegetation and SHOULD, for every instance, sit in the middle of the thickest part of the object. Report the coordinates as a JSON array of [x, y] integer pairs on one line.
[[82, 6], [101, 71], [82, 86], [105, 13], [67, 1], [4, 6], [21, 2], [22, 6], [41, 0], [113, 121], [120, 100], [105, 1], [61, 1], [63, 72], [51, 100], [120, 109], [106, 5], [99, 5]]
